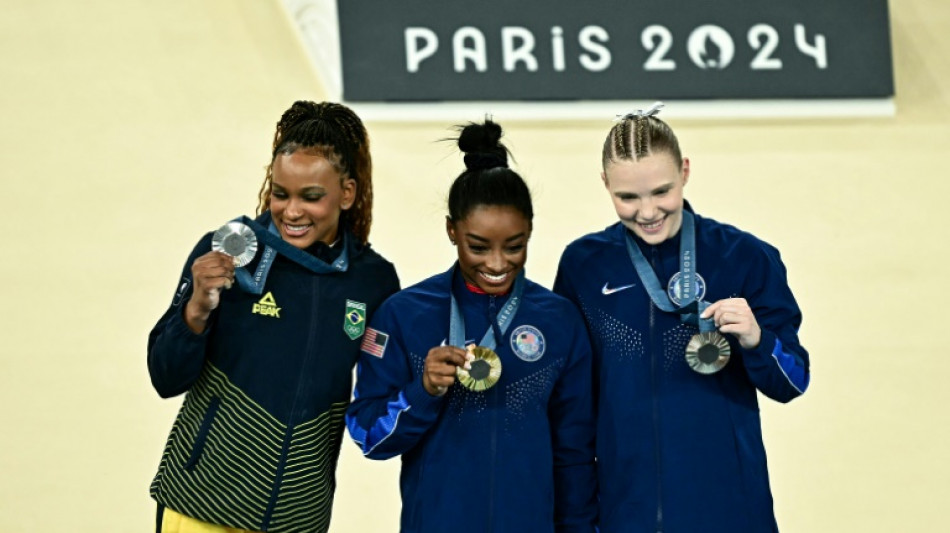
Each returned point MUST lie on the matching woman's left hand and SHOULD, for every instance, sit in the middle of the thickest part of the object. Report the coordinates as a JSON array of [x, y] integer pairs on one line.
[[733, 315]]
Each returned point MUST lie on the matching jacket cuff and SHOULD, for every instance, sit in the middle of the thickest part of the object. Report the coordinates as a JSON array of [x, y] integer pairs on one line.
[[419, 398], [179, 328], [765, 347]]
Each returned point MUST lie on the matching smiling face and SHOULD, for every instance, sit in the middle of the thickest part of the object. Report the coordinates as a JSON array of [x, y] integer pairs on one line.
[[648, 194], [492, 245], [307, 197]]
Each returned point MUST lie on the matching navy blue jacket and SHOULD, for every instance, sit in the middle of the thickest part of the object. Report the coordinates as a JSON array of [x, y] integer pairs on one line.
[[679, 451], [517, 457], [256, 442]]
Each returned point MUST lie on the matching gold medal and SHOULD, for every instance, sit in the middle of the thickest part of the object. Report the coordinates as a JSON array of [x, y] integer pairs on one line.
[[237, 240], [707, 352], [485, 371]]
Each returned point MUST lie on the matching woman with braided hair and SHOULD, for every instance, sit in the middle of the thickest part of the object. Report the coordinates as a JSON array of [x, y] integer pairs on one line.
[[262, 335], [689, 318], [479, 378]]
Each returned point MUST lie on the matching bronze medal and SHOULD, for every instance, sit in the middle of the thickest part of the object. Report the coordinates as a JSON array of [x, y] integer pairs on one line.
[[707, 352], [485, 371]]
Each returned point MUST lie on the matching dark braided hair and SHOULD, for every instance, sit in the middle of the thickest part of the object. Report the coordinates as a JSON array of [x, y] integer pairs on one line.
[[634, 137], [335, 132], [487, 180]]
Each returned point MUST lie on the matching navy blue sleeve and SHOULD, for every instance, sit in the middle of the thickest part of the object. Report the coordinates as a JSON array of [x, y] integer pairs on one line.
[[176, 354], [388, 280], [391, 410], [571, 413], [564, 286], [779, 365], [392, 282]]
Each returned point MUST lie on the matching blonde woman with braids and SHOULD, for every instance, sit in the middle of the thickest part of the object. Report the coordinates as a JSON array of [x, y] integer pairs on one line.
[[263, 342], [689, 318]]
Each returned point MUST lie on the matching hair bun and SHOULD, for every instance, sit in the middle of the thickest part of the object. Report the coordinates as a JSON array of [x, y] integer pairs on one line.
[[480, 137], [484, 161], [482, 147]]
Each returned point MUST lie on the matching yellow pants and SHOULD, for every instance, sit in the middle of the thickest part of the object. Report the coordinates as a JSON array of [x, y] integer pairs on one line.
[[174, 522]]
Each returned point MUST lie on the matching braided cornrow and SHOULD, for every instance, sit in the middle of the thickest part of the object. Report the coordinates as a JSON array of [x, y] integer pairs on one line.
[[335, 132], [621, 140], [648, 135], [641, 149]]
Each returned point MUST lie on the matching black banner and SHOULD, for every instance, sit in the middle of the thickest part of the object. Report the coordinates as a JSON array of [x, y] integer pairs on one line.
[[545, 50]]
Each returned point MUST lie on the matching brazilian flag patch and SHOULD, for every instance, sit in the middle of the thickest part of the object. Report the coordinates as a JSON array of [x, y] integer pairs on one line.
[[354, 322]]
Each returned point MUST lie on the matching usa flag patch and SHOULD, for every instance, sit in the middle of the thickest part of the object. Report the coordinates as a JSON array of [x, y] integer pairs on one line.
[[374, 342]]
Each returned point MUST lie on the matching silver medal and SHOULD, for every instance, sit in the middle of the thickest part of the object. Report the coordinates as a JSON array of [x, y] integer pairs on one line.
[[237, 240]]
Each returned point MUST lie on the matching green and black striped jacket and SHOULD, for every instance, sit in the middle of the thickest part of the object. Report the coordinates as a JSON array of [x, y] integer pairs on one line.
[[256, 442]]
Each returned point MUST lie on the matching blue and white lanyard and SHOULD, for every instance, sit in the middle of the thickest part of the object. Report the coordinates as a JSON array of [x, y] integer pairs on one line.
[[690, 309], [503, 320], [275, 244]]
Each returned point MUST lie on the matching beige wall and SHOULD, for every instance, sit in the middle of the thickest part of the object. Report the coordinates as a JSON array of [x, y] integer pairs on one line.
[[130, 128]]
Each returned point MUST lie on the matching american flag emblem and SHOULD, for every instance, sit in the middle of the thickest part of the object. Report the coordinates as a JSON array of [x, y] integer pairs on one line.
[[374, 342]]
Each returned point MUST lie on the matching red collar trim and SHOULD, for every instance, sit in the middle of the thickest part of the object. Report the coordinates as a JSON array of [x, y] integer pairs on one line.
[[478, 290]]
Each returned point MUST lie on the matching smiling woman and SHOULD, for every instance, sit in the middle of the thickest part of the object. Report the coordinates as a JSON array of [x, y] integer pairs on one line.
[[487, 374], [322, 149], [708, 320], [307, 197], [492, 246], [648, 197], [256, 443]]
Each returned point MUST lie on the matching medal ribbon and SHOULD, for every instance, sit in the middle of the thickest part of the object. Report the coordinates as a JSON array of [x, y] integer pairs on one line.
[[275, 244], [690, 310], [502, 321]]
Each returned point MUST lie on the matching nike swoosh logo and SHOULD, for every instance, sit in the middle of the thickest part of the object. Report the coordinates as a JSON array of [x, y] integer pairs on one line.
[[606, 291]]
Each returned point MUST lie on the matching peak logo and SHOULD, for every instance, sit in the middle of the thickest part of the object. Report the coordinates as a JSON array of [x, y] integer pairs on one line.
[[266, 306]]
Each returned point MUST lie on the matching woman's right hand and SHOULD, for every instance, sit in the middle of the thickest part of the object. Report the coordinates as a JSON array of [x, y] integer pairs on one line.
[[440, 366], [210, 273]]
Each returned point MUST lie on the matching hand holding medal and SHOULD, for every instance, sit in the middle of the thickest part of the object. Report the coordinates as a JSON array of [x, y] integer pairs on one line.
[[232, 245], [733, 315], [708, 351], [210, 273], [441, 365], [482, 370]]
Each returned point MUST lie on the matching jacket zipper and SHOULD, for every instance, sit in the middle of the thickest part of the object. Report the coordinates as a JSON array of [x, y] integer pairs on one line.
[[656, 408], [492, 321], [285, 449]]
